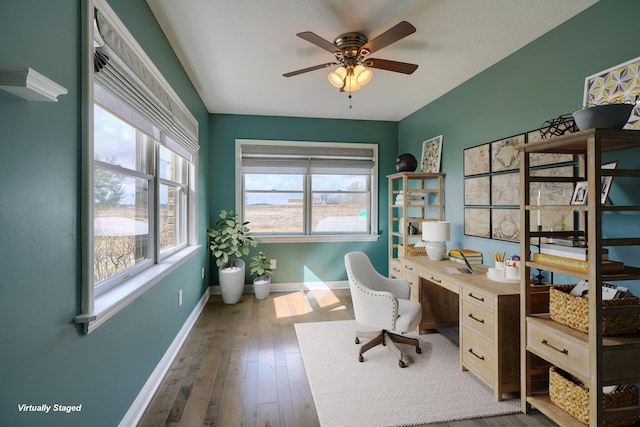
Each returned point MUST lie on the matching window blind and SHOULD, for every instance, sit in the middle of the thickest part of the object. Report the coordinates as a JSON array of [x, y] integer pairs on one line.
[[125, 71], [301, 159]]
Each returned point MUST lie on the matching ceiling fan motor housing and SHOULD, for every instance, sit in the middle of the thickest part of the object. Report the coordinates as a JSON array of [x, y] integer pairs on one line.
[[350, 45]]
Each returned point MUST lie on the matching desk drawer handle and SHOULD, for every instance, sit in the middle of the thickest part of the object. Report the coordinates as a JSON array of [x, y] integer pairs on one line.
[[408, 268], [481, 299], [475, 318], [476, 355], [563, 351], [395, 269], [436, 280]]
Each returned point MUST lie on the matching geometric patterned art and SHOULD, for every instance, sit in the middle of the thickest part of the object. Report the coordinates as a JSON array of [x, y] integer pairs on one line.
[[617, 84]]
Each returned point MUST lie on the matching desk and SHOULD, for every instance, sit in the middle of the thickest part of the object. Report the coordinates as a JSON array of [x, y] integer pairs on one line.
[[486, 312]]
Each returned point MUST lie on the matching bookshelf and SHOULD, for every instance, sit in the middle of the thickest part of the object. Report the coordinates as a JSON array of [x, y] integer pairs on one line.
[[594, 359]]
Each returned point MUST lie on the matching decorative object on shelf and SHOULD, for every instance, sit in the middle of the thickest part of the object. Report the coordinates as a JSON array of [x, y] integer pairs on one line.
[[406, 163], [606, 182], [562, 124], [435, 234], [431, 154], [608, 116], [411, 229], [620, 83], [580, 194], [29, 84]]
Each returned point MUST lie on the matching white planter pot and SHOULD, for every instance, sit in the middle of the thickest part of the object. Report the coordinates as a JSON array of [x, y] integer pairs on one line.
[[262, 286], [232, 282]]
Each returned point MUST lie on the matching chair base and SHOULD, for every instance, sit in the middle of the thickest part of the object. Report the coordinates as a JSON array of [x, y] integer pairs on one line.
[[388, 339]]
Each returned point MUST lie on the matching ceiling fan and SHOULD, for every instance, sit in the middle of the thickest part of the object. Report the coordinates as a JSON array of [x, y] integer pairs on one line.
[[352, 51]]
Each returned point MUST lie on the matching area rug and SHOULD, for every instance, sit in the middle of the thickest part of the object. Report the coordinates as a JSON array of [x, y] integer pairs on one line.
[[377, 392]]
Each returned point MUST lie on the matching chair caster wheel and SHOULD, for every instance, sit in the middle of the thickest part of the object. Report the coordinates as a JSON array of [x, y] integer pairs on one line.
[[360, 358], [357, 340], [402, 364], [418, 350]]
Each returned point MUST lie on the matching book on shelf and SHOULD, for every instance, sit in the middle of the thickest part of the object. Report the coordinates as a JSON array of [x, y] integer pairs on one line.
[[609, 291], [461, 261], [574, 252], [578, 242], [608, 266]]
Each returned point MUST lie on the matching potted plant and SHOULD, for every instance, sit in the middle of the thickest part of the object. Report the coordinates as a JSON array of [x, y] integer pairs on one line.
[[260, 268], [231, 239]]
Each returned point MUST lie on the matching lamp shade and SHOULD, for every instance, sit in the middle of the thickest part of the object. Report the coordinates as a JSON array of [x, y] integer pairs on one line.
[[350, 84], [337, 77], [436, 231], [362, 74]]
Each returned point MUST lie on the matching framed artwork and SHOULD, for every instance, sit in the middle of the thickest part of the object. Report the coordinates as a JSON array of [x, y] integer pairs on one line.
[[606, 182], [552, 194], [504, 155], [477, 222], [477, 160], [431, 154], [620, 83], [580, 194], [505, 224], [542, 159], [505, 189], [476, 191]]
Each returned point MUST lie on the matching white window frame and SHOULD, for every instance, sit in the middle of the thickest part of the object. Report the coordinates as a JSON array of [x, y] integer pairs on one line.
[[299, 238], [97, 309]]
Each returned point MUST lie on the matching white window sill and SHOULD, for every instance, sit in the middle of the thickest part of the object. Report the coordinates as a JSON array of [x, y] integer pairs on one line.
[[320, 238], [109, 303]]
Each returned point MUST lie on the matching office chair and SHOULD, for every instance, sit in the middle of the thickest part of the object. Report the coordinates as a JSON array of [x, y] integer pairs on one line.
[[383, 304]]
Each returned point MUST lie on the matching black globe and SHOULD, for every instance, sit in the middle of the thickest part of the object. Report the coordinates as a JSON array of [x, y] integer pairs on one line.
[[406, 163]]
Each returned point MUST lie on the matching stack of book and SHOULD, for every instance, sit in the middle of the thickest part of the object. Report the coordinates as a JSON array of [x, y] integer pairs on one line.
[[573, 255], [413, 199], [474, 257], [609, 291]]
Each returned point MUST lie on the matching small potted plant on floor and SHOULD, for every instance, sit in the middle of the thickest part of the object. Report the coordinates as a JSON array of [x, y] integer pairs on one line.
[[260, 268], [231, 239]]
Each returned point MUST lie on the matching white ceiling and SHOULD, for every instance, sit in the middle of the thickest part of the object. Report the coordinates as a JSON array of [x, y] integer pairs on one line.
[[235, 51]]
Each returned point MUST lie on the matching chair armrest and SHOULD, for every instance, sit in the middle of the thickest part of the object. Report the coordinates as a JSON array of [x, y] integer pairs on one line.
[[399, 287], [377, 309]]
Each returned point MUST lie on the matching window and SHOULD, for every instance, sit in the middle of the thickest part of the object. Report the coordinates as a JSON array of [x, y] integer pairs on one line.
[[140, 186], [308, 191]]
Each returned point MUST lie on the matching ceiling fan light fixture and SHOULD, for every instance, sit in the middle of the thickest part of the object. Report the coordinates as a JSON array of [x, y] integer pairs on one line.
[[351, 84], [337, 77], [362, 74]]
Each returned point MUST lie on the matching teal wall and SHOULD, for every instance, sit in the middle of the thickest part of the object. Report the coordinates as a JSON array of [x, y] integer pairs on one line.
[[537, 83], [43, 356], [299, 262]]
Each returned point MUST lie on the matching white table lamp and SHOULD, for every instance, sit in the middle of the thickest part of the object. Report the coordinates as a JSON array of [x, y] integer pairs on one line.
[[436, 233]]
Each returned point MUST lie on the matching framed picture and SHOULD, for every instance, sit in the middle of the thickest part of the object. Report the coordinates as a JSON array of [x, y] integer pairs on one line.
[[477, 160], [606, 182], [579, 194], [505, 224], [476, 191], [431, 153], [504, 155]]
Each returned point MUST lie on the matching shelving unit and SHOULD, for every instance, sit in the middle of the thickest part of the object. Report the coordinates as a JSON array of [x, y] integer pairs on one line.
[[595, 360], [428, 186]]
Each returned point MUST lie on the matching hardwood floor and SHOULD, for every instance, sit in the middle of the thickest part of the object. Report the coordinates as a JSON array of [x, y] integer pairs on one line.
[[241, 366]]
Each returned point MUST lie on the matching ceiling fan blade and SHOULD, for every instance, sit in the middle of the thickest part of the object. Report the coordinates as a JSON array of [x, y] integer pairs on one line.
[[392, 35], [385, 64], [318, 41], [306, 70]]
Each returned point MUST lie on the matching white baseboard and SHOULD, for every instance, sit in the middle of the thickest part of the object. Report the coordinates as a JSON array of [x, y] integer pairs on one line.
[[139, 405], [292, 287]]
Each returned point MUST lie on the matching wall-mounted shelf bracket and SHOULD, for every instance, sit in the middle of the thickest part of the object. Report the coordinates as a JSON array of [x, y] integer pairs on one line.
[[27, 83]]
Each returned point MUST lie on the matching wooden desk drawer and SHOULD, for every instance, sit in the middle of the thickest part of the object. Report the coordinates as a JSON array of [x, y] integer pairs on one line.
[[558, 348], [478, 317], [395, 269], [479, 297], [478, 355], [440, 280]]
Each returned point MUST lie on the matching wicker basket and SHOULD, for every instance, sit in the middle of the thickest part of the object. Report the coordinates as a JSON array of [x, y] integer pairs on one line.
[[412, 250], [574, 398], [573, 311]]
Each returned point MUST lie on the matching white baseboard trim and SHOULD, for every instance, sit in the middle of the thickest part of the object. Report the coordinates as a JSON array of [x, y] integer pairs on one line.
[[293, 286], [139, 405]]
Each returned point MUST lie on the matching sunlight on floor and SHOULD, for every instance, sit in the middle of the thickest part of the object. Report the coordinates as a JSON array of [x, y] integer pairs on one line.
[[300, 303]]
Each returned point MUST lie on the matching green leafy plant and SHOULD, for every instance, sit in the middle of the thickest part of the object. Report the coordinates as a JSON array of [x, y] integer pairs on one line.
[[260, 265], [230, 239]]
